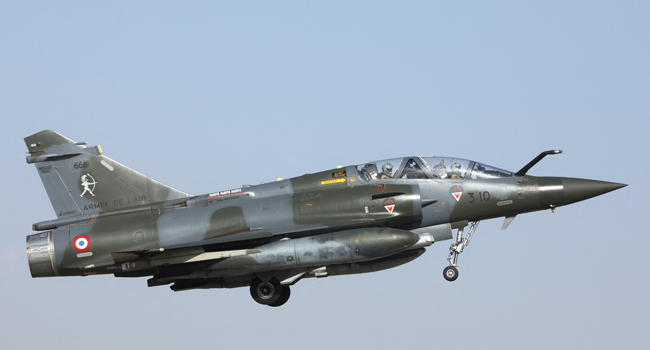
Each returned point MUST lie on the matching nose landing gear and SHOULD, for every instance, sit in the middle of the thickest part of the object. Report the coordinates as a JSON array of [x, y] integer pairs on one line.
[[450, 272]]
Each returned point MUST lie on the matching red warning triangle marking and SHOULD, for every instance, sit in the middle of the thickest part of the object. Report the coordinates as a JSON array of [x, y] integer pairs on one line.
[[390, 208], [457, 195]]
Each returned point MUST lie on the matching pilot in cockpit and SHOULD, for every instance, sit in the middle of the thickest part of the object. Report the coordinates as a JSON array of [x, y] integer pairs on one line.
[[386, 171], [455, 172], [369, 171], [440, 170]]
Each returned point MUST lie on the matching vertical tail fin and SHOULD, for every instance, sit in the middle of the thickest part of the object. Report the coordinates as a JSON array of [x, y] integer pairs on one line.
[[80, 180]]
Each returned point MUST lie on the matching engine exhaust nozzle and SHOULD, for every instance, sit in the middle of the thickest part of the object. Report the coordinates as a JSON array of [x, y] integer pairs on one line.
[[40, 255]]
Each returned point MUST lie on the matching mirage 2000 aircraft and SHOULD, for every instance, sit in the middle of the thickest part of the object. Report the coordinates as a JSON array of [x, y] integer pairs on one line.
[[349, 220]]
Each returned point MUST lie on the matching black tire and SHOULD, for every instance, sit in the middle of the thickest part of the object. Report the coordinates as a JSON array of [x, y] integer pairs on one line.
[[266, 293], [450, 273], [286, 293]]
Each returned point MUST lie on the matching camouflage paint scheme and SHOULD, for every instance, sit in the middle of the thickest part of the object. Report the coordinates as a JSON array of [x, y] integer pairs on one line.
[[114, 220]]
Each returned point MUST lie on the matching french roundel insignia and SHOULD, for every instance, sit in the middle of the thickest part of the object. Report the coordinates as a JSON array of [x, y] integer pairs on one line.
[[456, 192], [81, 243]]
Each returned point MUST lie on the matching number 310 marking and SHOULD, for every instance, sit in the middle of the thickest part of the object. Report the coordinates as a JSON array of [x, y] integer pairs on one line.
[[481, 197]]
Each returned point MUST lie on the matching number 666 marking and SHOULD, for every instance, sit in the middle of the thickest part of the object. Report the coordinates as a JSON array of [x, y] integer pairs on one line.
[[80, 165]]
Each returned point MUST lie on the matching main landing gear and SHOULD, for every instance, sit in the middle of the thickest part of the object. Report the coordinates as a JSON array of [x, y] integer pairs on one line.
[[450, 272], [270, 293]]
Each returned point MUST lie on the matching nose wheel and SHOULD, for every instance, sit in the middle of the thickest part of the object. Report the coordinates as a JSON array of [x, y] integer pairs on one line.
[[451, 272]]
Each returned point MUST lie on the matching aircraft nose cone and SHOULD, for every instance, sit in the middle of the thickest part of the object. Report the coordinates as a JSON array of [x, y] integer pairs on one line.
[[558, 191], [576, 190]]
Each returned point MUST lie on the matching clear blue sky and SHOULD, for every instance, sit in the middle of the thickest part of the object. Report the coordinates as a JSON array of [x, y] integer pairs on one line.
[[207, 96]]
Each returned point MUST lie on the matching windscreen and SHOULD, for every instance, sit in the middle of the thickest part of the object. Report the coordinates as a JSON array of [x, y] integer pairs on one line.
[[482, 171]]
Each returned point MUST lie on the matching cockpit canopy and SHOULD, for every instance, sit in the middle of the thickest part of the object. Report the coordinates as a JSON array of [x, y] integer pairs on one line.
[[428, 168]]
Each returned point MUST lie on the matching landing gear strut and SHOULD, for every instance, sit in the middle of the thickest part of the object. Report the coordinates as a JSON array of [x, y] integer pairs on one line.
[[450, 272]]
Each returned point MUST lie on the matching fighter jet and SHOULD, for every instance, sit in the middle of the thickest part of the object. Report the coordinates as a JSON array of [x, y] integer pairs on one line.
[[348, 220]]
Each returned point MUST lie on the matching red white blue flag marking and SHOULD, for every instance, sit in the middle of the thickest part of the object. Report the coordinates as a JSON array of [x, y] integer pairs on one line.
[[81, 243]]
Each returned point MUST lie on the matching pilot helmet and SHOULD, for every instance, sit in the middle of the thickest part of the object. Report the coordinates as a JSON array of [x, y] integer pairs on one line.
[[387, 168], [455, 166]]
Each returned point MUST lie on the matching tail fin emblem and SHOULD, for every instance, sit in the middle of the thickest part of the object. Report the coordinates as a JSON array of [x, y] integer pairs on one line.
[[87, 185]]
